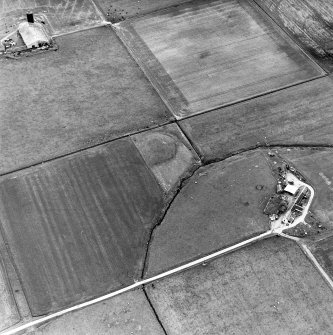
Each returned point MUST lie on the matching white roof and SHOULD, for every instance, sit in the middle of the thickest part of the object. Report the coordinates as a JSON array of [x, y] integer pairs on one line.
[[33, 33], [292, 189]]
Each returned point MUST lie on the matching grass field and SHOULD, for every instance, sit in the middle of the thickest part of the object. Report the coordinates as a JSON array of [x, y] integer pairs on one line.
[[267, 288]]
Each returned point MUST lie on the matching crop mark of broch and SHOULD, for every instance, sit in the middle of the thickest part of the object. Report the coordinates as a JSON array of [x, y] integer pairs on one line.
[[295, 197], [171, 198], [288, 209]]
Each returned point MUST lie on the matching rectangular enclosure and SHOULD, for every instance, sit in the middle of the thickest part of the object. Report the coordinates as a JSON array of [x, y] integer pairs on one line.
[[206, 54]]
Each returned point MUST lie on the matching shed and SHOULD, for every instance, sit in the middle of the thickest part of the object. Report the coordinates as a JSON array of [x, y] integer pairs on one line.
[[292, 189], [33, 34]]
